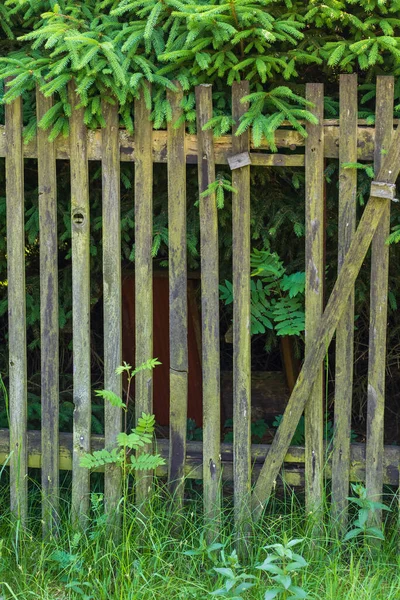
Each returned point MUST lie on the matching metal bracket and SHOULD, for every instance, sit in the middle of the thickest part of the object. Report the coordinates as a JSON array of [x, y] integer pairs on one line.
[[379, 189], [239, 160]]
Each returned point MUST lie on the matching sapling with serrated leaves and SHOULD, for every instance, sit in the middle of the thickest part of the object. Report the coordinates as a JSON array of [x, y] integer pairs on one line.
[[127, 443]]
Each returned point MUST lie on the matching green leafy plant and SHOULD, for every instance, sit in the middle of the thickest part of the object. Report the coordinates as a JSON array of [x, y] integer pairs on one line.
[[277, 299], [366, 509], [138, 437], [236, 580], [219, 187], [282, 566]]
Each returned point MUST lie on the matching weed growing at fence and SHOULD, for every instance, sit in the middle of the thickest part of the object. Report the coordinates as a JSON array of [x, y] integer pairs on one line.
[[150, 562]]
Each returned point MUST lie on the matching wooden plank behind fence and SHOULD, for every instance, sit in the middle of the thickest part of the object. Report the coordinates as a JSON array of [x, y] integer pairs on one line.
[[112, 300], [315, 209], [15, 216], [143, 273], [370, 219], [80, 233], [178, 306], [378, 306], [49, 337], [210, 317], [241, 324], [345, 330]]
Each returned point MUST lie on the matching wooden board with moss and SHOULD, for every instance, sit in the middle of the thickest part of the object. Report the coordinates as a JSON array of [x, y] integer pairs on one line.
[[209, 316], [49, 336], [112, 300], [378, 306], [314, 296], [17, 358], [80, 234], [345, 329], [178, 303], [143, 275], [241, 324]]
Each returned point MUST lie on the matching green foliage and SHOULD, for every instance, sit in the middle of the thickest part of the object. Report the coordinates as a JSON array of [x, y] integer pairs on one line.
[[113, 48], [138, 437], [369, 170], [283, 566], [277, 299], [218, 187], [366, 509], [237, 581]]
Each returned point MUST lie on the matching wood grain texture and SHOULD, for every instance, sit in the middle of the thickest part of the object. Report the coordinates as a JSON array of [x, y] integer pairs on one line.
[[178, 303], [314, 296], [241, 326], [112, 298], [210, 317], [49, 336], [325, 330], [80, 233], [17, 361], [285, 138], [143, 277], [345, 329], [292, 472], [378, 305]]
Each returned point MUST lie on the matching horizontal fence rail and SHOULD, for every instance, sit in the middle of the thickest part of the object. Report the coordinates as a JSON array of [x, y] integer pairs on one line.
[[285, 138], [292, 472]]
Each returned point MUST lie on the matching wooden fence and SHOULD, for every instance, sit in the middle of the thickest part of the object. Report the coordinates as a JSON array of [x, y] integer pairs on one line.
[[347, 139]]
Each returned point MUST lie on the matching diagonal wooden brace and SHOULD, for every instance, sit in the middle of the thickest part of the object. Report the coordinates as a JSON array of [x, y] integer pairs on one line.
[[327, 326]]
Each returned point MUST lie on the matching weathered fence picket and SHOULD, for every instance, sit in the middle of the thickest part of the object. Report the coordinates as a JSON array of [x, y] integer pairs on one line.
[[315, 278], [345, 329], [209, 316], [143, 274], [80, 234], [378, 305], [49, 337], [178, 303], [17, 360], [112, 301], [241, 322]]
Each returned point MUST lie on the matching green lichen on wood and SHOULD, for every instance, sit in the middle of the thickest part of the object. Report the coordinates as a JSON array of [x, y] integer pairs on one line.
[[241, 250], [378, 307], [314, 295], [345, 329], [210, 317], [80, 233], [143, 276], [112, 300], [178, 304], [49, 336], [16, 310]]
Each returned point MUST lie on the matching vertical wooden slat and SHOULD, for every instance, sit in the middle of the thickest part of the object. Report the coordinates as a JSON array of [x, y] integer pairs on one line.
[[80, 233], [210, 317], [314, 173], [143, 273], [16, 309], [178, 306], [49, 337], [241, 325], [112, 300], [345, 330], [378, 305]]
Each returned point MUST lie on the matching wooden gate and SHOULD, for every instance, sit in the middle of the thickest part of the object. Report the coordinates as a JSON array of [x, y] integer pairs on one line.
[[346, 139]]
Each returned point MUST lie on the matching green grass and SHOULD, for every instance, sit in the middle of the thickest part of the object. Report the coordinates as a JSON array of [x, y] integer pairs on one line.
[[150, 563]]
